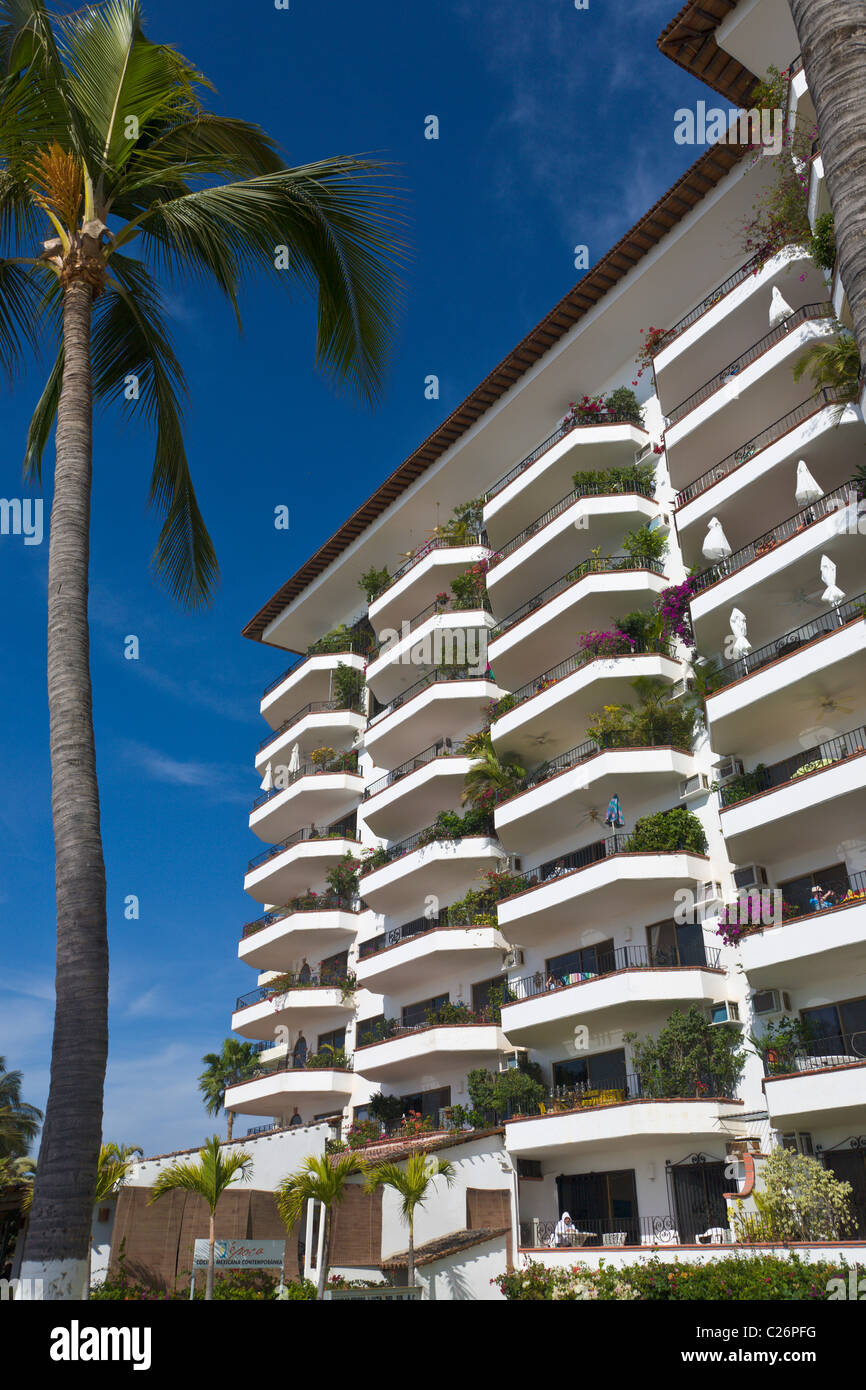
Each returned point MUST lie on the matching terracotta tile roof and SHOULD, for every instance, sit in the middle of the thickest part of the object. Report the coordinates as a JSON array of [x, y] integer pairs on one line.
[[701, 178], [394, 1150], [690, 42], [452, 1244]]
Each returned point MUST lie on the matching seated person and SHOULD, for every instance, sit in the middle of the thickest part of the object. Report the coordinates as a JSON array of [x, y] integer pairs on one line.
[[564, 1232]]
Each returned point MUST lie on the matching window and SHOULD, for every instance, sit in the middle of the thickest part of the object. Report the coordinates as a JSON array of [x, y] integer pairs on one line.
[[335, 967], [603, 1071], [427, 1102], [366, 1031], [530, 1169], [415, 1015], [800, 892], [336, 1041], [481, 993], [601, 1203], [842, 1026], [587, 960], [800, 1143], [673, 944]]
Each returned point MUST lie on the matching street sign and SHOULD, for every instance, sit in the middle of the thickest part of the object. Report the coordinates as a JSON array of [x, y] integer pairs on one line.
[[242, 1254]]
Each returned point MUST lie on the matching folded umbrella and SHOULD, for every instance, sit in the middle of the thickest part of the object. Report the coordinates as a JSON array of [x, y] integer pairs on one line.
[[716, 545], [832, 594], [741, 645], [780, 309], [614, 818], [807, 488]]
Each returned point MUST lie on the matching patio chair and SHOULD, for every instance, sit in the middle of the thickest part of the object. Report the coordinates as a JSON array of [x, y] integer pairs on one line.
[[613, 1238]]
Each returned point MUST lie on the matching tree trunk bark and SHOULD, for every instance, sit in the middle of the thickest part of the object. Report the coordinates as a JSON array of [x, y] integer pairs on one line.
[[230, 1121], [326, 1254], [58, 1238], [832, 37], [410, 1261], [211, 1239]]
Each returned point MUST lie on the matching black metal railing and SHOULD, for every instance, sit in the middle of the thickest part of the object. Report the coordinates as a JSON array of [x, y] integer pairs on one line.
[[435, 677], [312, 902], [430, 835], [351, 646], [442, 749], [593, 747], [777, 774], [700, 956], [539, 684], [315, 979], [595, 853], [477, 538], [831, 502], [776, 335], [421, 1022], [614, 1089], [609, 417], [341, 762], [789, 642], [317, 1061], [843, 1050], [605, 564], [450, 604], [633, 488], [828, 396], [314, 707], [341, 830], [613, 1231], [750, 268]]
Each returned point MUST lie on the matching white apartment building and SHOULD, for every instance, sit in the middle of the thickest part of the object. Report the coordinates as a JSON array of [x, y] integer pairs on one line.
[[600, 932]]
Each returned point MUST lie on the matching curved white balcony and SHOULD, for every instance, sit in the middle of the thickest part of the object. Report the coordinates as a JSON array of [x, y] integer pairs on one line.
[[415, 792], [437, 707], [312, 797], [440, 636], [534, 635], [279, 939], [585, 777], [313, 1008], [819, 1086], [286, 870], [541, 717], [313, 1091], [321, 724], [426, 574], [829, 943], [309, 680], [440, 869], [619, 1124], [405, 964], [414, 1050], [602, 879]]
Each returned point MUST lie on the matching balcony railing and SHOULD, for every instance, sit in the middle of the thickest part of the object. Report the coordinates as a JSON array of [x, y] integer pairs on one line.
[[318, 1061], [750, 268], [349, 646], [634, 489], [319, 979], [615, 1089], [843, 1050], [828, 396], [831, 502], [474, 1018], [476, 539], [539, 684], [434, 677], [430, 835], [341, 830], [314, 707], [605, 564], [439, 605], [790, 642], [613, 1231], [591, 749], [610, 417], [776, 335], [595, 853], [343, 762], [699, 956], [754, 911], [821, 755], [429, 755], [312, 902]]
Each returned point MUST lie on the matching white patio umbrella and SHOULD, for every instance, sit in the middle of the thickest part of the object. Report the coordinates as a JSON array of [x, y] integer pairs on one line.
[[716, 545], [832, 594], [780, 309], [742, 645], [295, 759], [267, 780], [807, 488]]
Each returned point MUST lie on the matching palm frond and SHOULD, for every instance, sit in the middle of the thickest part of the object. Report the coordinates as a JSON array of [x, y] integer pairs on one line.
[[42, 421], [210, 1177], [19, 317], [323, 1179]]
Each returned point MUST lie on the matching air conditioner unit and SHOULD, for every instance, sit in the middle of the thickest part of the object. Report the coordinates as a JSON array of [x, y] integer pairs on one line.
[[771, 1001], [750, 876], [682, 687], [698, 785], [512, 959], [511, 1060], [513, 863], [728, 770], [710, 893], [725, 1012], [662, 520]]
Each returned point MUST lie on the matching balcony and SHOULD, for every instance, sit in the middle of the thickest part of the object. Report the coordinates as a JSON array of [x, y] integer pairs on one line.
[[409, 1051], [276, 1090], [764, 696], [445, 633], [429, 572], [588, 776], [546, 473], [426, 865], [285, 870], [313, 925], [445, 703], [416, 791], [320, 791], [828, 944], [310, 677], [318, 1002], [770, 812], [543, 549], [410, 962], [540, 629], [821, 1085], [318, 723], [760, 384], [605, 878], [634, 987], [544, 713]]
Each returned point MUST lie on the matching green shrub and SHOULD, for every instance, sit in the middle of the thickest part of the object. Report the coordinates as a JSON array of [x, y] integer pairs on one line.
[[604, 482], [764, 1278], [690, 1057], [374, 582], [348, 686], [668, 832], [823, 244], [625, 404], [646, 545], [300, 1290]]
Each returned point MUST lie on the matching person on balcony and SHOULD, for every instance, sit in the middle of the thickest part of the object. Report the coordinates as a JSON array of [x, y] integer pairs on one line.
[[821, 898], [305, 974], [296, 1119], [563, 1232], [299, 1053]]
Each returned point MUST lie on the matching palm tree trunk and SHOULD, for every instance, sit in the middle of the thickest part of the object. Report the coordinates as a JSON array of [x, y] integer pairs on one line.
[[58, 1238], [410, 1261], [326, 1255], [211, 1240], [832, 37], [230, 1121]]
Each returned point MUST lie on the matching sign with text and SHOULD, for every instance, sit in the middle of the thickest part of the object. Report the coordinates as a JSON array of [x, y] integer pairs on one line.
[[242, 1254]]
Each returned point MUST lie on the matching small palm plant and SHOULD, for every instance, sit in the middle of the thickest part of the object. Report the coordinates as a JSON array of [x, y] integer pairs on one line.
[[414, 1184], [492, 777], [833, 364], [234, 1064], [209, 1178], [115, 1161], [324, 1180], [19, 1122]]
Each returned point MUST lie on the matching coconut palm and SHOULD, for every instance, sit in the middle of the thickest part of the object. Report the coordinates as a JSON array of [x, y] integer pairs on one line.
[[832, 35], [107, 146], [492, 776], [325, 1180], [209, 1178], [832, 363], [19, 1122], [234, 1064], [414, 1183]]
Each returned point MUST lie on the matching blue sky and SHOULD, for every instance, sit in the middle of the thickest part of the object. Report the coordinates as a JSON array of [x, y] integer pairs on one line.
[[556, 129]]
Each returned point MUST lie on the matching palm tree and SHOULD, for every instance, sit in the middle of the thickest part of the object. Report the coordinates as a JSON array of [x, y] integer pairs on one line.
[[209, 1178], [19, 1122], [124, 1153], [832, 35], [324, 1180], [234, 1064], [414, 1184], [491, 777], [106, 144], [115, 1161], [833, 363]]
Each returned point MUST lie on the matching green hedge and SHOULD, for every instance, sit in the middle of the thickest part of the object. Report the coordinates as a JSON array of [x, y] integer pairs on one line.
[[764, 1278]]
